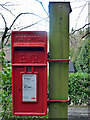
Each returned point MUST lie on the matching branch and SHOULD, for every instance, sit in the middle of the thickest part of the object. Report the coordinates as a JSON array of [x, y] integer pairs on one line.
[[4, 35], [85, 35], [72, 41], [23, 14], [23, 28], [5, 3], [7, 9], [80, 13], [7, 39], [79, 28], [42, 6], [4, 20], [8, 4], [6, 29], [79, 6], [30, 25]]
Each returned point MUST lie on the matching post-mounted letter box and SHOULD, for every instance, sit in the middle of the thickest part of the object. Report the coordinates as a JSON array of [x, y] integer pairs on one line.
[[29, 72]]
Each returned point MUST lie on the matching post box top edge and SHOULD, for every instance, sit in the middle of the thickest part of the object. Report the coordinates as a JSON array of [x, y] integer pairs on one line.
[[29, 32]]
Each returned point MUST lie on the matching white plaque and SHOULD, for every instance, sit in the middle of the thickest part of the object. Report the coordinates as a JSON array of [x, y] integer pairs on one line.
[[29, 87]]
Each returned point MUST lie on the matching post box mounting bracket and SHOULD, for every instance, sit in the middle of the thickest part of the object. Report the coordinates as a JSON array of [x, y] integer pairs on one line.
[[57, 101], [54, 60]]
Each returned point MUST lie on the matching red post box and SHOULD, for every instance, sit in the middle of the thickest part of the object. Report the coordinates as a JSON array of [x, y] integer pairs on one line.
[[29, 72]]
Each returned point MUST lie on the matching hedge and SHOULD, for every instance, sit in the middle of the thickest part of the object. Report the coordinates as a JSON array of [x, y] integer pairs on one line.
[[78, 88]]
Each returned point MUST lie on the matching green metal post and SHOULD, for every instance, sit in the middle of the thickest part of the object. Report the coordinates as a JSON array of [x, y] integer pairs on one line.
[[59, 49]]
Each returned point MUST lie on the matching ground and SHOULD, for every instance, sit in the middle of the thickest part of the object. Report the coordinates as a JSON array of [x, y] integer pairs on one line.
[[77, 113]]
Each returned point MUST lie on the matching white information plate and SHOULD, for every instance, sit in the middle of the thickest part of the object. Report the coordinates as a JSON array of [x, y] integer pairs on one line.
[[29, 87]]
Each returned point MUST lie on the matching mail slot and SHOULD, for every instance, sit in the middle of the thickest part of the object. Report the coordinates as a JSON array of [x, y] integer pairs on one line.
[[29, 72]]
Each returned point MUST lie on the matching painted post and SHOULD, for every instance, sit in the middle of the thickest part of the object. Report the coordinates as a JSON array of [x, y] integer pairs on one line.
[[59, 49]]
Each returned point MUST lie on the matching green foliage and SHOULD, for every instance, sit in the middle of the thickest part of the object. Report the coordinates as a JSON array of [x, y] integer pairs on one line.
[[87, 31], [72, 30], [78, 88], [0, 87], [81, 62], [6, 88], [79, 50]]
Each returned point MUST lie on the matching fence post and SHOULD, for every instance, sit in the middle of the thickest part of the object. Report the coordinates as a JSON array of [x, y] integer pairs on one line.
[[59, 49]]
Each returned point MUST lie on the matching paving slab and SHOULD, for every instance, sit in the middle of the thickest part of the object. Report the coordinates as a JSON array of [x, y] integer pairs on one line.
[[78, 112]]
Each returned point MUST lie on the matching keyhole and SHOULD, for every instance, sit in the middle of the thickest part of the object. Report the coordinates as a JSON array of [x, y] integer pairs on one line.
[[19, 89]]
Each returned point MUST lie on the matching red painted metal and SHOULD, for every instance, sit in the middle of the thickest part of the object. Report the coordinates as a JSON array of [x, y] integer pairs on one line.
[[29, 64], [29, 49], [28, 45], [57, 101], [49, 60]]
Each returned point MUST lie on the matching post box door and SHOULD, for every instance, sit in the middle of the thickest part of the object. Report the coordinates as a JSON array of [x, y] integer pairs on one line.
[[29, 73]]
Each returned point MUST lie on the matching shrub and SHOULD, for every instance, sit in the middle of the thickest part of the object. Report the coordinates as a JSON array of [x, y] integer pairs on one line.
[[78, 88], [6, 88]]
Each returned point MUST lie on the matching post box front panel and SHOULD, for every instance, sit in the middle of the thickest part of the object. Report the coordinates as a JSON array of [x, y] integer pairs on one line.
[[29, 73]]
